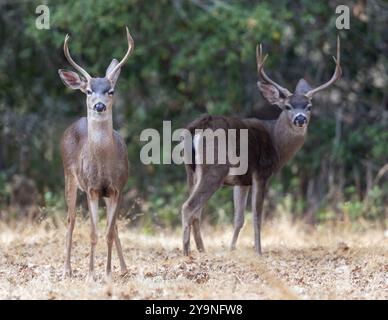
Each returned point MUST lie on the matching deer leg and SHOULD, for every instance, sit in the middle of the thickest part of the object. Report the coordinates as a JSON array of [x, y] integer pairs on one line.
[[119, 249], [191, 181], [197, 231], [93, 212], [123, 266], [240, 197], [112, 205], [71, 198], [190, 174], [258, 193], [186, 223], [192, 208]]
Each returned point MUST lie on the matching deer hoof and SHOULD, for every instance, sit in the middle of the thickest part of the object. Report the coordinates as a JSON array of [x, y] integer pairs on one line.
[[67, 273], [124, 272], [108, 278], [91, 277]]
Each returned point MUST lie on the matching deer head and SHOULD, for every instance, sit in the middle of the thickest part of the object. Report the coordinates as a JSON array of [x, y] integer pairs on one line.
[[297, 105], [99, 91]]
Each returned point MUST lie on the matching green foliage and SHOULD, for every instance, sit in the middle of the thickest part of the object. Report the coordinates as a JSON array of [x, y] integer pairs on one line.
[[4, 189], [193, 57], [165, 205]]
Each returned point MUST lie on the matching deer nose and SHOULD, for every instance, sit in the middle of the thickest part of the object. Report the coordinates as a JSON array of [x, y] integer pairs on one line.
[[100, 107], [300, 120]]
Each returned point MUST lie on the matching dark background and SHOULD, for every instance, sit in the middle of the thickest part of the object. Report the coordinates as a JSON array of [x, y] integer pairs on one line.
[[193, 57]]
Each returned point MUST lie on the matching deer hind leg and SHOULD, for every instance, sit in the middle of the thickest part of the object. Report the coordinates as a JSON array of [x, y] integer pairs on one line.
[[191, 181], [240, 197], [190, 174], [111, 234], [93, 212], [71, 198], [258, 194], [206, 185], [197, 231]]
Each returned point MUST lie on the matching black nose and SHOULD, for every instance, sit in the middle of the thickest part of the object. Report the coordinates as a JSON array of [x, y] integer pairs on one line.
[[100, 107], [300, 120]]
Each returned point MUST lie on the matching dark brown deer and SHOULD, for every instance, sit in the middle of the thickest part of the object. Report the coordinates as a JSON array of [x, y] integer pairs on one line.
[[94, 156], [270, 144]]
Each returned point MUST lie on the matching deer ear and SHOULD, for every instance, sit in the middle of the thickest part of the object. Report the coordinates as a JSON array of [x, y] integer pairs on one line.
[[72, 80], [114, 76], [270, 93], [302, 87]]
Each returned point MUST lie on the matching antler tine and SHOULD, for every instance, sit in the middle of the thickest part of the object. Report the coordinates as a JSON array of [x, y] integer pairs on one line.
[[259, 57], [71, 61], [131, 45], [260, 68], [336, 75]]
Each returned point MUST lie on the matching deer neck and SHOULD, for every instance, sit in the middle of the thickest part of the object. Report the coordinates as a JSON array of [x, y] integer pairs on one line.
[[288, 139], [100, 133]]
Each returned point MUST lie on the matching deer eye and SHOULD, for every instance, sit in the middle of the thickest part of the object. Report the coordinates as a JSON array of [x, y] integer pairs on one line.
[[89, 92], [288, 107], [308, 108], [111, 92]]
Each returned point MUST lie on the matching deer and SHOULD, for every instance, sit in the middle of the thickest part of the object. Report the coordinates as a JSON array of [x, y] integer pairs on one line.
[[95, 157], [271, 144]]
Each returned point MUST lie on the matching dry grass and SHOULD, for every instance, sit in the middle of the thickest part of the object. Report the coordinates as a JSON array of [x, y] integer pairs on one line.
[[298, 263]]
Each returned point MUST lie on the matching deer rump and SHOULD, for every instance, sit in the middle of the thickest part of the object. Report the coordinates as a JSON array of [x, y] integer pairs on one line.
[[262, 155]]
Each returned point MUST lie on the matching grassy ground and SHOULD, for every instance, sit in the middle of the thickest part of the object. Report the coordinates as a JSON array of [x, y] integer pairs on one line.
[[298, 263]]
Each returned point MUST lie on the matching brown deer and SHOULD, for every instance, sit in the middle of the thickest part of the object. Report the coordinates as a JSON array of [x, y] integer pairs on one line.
[[270, 144], [94, 156]]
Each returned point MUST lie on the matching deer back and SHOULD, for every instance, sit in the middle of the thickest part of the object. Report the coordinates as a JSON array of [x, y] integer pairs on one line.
[[262, 155]]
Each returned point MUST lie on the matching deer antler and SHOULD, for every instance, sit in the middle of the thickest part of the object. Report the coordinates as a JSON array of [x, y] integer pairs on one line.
[[260, 68], [68, 57], [131, 45], [334, 78]]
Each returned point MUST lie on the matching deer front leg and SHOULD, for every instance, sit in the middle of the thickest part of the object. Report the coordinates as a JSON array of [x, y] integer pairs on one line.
[[123, 266], [71, 198], [93, 212], [240, 197], [119, 249], [258, 193], [112, 205]]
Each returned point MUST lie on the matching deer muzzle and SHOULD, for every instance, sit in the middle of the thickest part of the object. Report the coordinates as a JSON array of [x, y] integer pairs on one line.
[[99, 107], [300, 120]]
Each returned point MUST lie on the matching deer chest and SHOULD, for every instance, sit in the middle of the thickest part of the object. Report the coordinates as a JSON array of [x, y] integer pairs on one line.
[[100, 176]]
